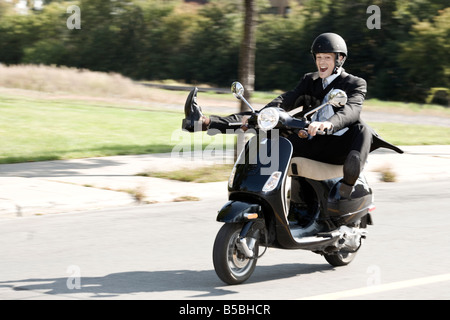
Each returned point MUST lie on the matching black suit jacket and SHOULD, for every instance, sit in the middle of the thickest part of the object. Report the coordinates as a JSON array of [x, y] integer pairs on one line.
[[350, 114]]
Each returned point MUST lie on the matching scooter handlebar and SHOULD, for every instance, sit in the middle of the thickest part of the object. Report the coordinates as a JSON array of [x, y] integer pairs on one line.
[[288, 122]]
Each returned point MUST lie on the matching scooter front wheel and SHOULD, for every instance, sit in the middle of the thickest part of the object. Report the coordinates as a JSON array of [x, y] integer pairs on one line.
[[231, 264]]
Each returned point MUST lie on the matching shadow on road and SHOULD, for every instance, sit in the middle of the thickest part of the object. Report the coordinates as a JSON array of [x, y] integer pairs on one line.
[[117, 284]]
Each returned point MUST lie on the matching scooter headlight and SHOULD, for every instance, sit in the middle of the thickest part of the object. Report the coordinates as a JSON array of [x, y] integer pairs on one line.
[[272, 182], [268, 119]]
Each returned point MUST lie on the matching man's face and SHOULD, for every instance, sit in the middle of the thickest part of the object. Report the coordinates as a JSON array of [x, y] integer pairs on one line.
[[325, 63]]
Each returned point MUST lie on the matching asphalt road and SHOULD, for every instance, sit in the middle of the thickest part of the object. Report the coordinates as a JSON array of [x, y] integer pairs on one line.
[[163, 251]]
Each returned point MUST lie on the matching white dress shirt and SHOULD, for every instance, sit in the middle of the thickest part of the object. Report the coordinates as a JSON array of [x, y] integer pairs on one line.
[[327, 112]]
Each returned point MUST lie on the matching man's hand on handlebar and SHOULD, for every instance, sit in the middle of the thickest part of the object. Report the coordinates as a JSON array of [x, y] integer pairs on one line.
[[244, 126], [317, 127]]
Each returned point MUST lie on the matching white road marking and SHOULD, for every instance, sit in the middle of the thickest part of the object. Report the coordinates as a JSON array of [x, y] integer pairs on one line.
[[380, 288]]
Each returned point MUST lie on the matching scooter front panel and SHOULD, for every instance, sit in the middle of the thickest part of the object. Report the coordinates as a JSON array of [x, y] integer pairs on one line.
[[260, 158]]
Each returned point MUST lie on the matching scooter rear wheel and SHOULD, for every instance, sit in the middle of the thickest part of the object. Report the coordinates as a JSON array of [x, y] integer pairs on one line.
[[231, 265], [340, 259]]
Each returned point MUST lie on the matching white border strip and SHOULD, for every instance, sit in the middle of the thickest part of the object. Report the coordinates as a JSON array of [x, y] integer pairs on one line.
[[380, 288]]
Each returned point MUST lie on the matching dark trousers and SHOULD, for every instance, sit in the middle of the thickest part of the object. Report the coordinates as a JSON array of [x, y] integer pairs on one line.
[[354, 143], [334, 149], [329, 149]]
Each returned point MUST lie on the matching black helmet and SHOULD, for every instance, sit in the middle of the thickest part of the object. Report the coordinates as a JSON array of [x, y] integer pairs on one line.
[[330, 43]]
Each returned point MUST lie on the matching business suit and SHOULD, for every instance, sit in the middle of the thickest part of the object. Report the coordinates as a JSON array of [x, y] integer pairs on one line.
[[359, 138]]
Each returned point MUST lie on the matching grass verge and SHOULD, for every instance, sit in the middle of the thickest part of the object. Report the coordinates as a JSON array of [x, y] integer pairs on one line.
[[410, 135]]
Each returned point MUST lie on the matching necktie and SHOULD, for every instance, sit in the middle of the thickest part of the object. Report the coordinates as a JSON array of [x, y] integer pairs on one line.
[[319, 115]]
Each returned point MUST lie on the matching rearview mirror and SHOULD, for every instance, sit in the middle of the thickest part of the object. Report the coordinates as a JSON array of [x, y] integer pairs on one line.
[[337, 98], [238, 89]]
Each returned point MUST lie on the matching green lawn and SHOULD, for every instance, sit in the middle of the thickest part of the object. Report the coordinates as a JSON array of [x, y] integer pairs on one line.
[[405, 134], [35, 129]]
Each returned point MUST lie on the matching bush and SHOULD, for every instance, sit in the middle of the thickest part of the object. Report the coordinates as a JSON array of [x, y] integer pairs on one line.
[[439, 96]]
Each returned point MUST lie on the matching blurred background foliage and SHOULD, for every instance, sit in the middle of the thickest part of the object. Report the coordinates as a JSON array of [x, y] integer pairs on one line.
[[407, 59]]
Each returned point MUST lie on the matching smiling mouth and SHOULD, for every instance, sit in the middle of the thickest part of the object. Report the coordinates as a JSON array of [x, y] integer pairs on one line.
[[323, 69]]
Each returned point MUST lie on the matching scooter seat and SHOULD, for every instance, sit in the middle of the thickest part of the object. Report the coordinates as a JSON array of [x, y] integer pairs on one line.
[[316, 170]]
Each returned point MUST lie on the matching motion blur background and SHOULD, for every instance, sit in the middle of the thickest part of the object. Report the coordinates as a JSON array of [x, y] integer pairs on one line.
[[406, 59]]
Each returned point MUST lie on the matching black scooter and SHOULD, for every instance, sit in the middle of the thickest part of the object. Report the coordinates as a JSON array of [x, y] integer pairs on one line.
[[261, 211]]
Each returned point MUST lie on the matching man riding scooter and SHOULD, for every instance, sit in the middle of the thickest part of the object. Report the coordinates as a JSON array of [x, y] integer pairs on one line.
[[348, 140]]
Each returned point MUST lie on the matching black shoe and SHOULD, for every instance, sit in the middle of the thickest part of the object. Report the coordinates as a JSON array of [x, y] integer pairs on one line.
[[193, 113]]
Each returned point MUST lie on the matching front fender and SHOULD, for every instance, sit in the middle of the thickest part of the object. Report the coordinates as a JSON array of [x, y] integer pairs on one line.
[[237, 211]]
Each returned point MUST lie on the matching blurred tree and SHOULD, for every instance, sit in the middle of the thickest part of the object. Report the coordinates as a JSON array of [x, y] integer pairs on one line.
[[423, 52], [165, 32], [16, 32], [212, 53], [283, 51], [109, 35], [49, 31], [247, 51]]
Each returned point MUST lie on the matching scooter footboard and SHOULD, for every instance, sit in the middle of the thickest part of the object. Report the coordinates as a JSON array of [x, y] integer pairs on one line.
[[238, 211]]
